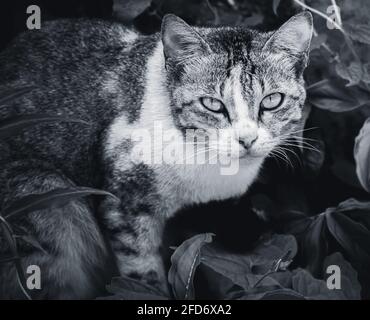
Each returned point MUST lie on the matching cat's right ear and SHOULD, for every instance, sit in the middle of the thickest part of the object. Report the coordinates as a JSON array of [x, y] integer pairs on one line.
[[294, 36], [180, 41]]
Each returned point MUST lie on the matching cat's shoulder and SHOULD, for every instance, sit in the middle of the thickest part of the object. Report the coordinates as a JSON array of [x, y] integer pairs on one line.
[[64, 33]]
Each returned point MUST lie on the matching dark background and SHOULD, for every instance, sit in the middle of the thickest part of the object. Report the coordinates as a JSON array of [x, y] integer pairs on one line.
[[13, 13]]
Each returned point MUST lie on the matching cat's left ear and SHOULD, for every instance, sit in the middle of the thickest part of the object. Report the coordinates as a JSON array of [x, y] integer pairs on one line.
[[181, 41], [294, 36]]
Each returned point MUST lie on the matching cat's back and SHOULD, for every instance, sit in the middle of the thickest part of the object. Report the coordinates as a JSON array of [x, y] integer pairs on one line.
[[69, 63], [64, 47]]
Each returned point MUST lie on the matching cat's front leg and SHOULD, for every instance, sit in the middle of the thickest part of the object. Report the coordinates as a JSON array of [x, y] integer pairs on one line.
[[136, 238]]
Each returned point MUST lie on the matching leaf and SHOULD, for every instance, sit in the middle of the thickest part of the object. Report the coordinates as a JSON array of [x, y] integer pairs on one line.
[[353, 236], [125, 288], [213, 285], [282, 294], [362, 155], [128, 10], [275, 5], [334, 96], [345, 228], [276, 247], [350, 286], [52, 199], [354, 205], [13, 94], [357, 10], [352, 73], [271, 294], [250, 275], [313, 244], [304, 283], [185, 260], [250, 285], [318, 41], [245, 270], [349, 225], [235, 267], [16, 125], [359, 32]]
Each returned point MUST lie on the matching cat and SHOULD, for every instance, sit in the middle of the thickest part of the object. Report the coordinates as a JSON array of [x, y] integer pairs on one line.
[[233, 80]]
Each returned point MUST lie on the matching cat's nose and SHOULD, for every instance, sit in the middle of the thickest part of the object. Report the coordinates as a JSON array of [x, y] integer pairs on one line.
[[248, 142]]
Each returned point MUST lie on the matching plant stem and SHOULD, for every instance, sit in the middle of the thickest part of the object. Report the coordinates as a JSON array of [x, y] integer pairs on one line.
[[319, 13], [337, 13], [214, 12], [335, 24]]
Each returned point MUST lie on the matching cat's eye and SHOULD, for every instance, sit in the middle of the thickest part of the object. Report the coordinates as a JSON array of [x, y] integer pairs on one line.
[[212, 104], [272, 101]]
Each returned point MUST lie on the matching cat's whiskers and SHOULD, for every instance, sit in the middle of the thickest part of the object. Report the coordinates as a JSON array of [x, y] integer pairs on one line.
[[301, 142], [278, 150], [307, 146], [276, 156], [300, 131], [293, 152], [290, 136], [282, 151], [280, 154]]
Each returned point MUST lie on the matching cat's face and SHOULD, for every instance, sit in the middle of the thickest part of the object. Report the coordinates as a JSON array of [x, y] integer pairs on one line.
[[247, 85]]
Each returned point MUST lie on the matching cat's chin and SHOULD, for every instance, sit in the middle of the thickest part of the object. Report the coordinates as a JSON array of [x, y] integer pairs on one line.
[[248, 160], [249, 156]]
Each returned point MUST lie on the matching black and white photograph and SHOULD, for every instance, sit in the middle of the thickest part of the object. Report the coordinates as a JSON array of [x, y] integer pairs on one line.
[[192, 150]]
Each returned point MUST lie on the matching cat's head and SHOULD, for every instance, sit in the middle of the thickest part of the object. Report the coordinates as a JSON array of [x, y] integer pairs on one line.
[[240, 80]]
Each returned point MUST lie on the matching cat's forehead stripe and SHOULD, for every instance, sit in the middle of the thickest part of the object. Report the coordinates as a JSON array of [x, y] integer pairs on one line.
[[241, 108]]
